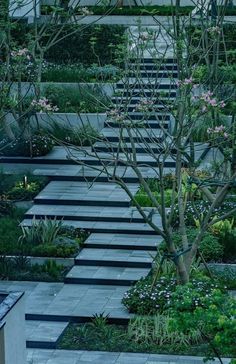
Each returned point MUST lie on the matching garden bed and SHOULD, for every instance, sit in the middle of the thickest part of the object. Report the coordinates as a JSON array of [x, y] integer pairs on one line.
[[116, 338], [46, 238], [21, 269], [163, 10]]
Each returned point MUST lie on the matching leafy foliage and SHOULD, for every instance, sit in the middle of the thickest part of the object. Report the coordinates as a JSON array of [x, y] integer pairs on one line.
[[85, 99]]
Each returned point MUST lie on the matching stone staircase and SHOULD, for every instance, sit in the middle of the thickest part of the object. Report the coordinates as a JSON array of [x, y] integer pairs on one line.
[[121, 246]]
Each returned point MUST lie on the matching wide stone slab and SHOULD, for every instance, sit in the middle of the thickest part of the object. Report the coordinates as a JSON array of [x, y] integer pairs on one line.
[[37, 356], [44, 333], [85, 213], [69, 302], [105, 275], [79, 193], [104, 227], [123, 241], [115, 257]]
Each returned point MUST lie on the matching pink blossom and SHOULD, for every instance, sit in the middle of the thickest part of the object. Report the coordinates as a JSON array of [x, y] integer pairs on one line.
[[222, 104], [218, 131], [43, 105]]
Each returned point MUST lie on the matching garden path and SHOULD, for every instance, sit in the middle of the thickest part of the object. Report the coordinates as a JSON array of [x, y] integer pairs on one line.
[[121, 245], [87, 357]]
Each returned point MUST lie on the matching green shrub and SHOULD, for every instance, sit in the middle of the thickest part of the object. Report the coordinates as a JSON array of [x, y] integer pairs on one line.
[[21, 192], [87, 99], [214, 316], [38, 145], [227, 277], [83, 136], [78, 73], [9, 235], [210, 247], [199, 131], [52, 250], [87, 45], [226, 233], [30, 182], [6, 208], [144, 299], [228, 241], [144, 200], [158, 329], [197, 209], [43, 231], [20, 269]]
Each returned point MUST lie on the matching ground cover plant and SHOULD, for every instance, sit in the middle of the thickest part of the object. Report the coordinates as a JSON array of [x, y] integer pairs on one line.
[[85, 135], [35, 144], [20, 187], [162, 324], [78, 73], [46, 238], [86, 99], [19, 268]]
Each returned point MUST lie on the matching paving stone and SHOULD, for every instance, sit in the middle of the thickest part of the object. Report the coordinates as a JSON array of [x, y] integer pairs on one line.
[[105, 275], [124, 256], [44, 331], [138, 134], [86, 213], [104, 227], [95, 357], [134, 241], [66, 192]]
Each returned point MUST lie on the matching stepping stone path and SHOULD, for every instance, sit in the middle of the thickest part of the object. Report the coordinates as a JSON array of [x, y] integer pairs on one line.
[[121, 246]]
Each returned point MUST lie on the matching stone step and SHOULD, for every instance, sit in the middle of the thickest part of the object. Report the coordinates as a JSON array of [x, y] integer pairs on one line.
[[151, 124], [138, 134], [158, 116], [140, 84], [134, 100], [101, 147], [104, 227], [90, 175], [153, 61], [61, 302], [154, 74], [108, 158], [148, 93], [120, 276], [128, 108], [123, 241], [82, 193], [115, 258], [85, 213], [153, 66], [44, 334]]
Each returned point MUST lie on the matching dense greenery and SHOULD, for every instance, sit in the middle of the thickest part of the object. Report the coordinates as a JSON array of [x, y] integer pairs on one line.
[[93, 43], [36, 145], [85, 45], [79, 73], [20, 187], [86, 99], [83, 136], [118, 338], [46, 238], [19, 268], [205, 305], [137, 10]]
